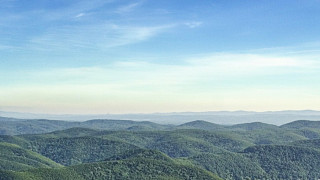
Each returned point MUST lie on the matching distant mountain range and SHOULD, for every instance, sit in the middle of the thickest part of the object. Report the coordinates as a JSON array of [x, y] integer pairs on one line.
[[218, 117], [13, 126]]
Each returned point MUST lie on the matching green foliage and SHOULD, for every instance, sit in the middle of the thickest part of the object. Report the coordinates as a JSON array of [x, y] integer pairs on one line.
[[142, 167], [73, 132], [77, 150], [44, 126], [230, 165], [302, 124], [313, 143], [268, 136], [121, 124], [141, 153], [144, 150], [180, 143], [33, 126], [309, 133], [199, 124], [14, 140], [253, 126], [13, 157], [286, 162]]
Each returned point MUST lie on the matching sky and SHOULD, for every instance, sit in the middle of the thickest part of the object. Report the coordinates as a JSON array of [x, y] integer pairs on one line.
[[145, 56]]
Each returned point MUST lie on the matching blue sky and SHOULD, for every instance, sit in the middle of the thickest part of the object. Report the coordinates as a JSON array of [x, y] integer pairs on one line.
[[127, 56]]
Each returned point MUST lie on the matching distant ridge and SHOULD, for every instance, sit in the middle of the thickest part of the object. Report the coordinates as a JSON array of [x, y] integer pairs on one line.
[[217, 117], [38, 126], [302, 124], [200, 124], [254, 126]]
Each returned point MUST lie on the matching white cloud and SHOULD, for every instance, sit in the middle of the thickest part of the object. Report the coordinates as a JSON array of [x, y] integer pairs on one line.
[[229, 63], [127, 8], [128, 35], [200, 83], [131, 75], [193, 24], [79, 15]]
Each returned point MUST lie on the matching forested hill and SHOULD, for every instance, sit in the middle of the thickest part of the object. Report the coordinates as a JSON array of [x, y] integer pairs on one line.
[[38, 126], [151, 165], [111, 149], [302, 124], [11, 126]]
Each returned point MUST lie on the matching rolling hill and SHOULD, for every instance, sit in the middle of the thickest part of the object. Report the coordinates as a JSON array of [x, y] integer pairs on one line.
[[286, 162], [110, 149], [13, 157], [154, 165], [40, 126], [200, 124], [302, 124], [78, 150]]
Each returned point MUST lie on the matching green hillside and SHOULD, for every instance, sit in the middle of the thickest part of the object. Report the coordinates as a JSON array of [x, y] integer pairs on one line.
[[132, 168], [253, 126], [200, 124], [308, 133], [40, 126], [268, 136], [14, 140], [33, 126], [13, 157], [286, 162], [77, 150], [312, 143], [302, 124], [180, 143], [230, 165], [145, 150]]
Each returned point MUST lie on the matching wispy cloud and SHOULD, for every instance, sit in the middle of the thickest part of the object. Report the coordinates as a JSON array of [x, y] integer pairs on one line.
[[128, 8], [253, 61], [82, 25], [96, 36], [209, 69], [205, 81], [79, 15], [193, 24], [69, 12]]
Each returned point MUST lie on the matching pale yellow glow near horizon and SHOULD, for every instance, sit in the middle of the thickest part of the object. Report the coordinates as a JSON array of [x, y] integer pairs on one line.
[[216, 82], [100, 100]]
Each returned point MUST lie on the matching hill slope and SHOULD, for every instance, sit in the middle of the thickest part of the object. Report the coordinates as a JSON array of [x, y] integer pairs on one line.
[[302, 124], [229, 165], [77, 150], [199, 124], [286, 162], [253, 126], [132, 168], [13, 157], [44, 126]]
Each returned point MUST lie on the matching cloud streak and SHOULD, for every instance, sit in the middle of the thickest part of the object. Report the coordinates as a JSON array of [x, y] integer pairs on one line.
[[193, 24], [128, 8], [220, 66], [96, 36]]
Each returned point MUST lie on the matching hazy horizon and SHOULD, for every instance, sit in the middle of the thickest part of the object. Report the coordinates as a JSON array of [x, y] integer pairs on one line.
[[147, 56], [218, 117], [168, 112]]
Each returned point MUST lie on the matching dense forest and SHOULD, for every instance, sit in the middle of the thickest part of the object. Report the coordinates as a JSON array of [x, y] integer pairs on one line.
[[117, 149]]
